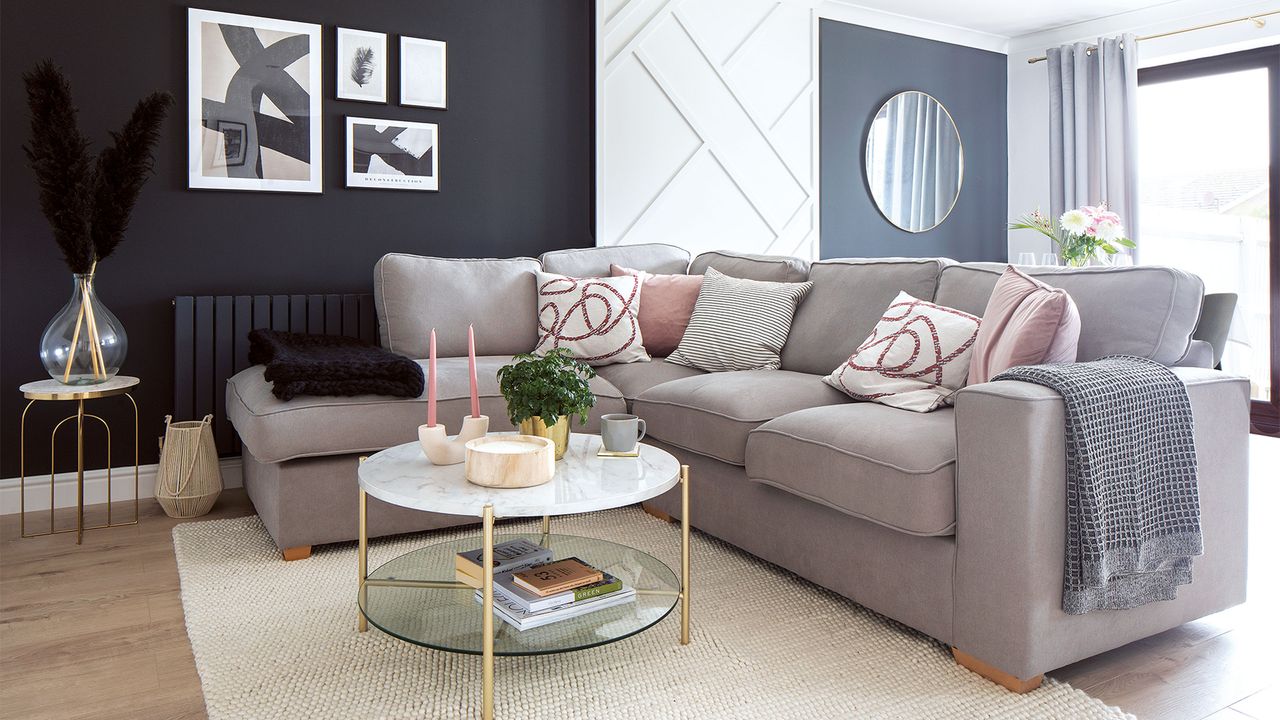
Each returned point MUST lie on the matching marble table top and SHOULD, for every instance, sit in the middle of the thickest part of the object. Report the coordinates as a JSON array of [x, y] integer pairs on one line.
[[583, 482], [55, 390]]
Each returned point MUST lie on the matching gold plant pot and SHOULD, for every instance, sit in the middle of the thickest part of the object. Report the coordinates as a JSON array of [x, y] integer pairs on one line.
[[557, 433]]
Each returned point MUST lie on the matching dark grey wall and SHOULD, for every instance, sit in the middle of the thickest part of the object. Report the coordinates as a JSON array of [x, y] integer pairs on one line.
[[860, 69], [515, 167]]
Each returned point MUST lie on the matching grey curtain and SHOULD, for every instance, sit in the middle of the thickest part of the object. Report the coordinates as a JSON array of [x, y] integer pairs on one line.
[[923, 162], [1093, 150]]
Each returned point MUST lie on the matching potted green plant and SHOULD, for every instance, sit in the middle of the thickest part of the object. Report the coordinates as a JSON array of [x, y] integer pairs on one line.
[[544, 391]]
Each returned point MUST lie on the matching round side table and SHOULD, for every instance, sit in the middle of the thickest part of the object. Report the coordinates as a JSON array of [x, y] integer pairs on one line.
[[54, 391]]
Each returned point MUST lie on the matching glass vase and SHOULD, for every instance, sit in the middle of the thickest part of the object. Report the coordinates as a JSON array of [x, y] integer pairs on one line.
[[84, 344]]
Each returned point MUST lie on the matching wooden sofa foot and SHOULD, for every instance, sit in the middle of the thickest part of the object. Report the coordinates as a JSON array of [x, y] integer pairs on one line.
[[995, 674], [654, 511], [302, 552]]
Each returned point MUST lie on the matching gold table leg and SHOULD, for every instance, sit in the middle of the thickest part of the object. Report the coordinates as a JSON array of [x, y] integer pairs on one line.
[[684, 555], [80, 472], [22, 473], [363, 624], [486, 623], [546, 530], [80, 416]]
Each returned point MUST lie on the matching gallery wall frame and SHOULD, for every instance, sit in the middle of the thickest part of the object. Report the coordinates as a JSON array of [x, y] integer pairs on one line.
[[423, 72], [233, 143], [392, 154], [361, 72]]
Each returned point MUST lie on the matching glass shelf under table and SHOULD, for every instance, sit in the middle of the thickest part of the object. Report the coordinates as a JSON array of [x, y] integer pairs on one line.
[[449, 618]]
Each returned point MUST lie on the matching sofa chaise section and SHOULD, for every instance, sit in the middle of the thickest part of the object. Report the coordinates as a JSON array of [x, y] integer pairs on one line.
[[300, 455]]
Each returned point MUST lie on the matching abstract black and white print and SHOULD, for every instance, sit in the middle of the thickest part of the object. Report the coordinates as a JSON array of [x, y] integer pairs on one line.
[[392, 154], [254, 103], [423, 72], [362, 66]]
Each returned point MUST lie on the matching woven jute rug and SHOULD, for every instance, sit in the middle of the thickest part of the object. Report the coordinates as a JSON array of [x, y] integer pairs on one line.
[[278, 640]]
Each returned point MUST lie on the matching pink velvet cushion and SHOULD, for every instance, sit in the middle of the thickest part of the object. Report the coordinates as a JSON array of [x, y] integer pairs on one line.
[[668, 304], [1026, 323]]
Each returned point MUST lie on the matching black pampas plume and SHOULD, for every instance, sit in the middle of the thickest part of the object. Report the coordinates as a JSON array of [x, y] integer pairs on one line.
[[59, 155], [362, 66], [87, 202], [121, 171]]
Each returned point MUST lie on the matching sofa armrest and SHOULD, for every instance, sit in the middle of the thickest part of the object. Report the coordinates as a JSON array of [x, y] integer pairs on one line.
[[1011, 525]]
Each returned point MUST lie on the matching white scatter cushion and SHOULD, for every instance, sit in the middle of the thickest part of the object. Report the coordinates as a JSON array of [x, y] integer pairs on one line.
[[594, 318], [916, 358], [739, 324]]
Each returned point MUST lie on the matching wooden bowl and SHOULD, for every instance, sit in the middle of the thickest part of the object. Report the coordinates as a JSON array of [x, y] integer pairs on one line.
[[510, 461]]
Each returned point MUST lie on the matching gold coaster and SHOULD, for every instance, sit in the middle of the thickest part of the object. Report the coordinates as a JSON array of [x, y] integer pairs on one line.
[[611, 454]]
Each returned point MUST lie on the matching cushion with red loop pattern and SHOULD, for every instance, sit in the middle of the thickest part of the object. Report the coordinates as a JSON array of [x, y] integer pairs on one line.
[[594, 318], [916, 358]]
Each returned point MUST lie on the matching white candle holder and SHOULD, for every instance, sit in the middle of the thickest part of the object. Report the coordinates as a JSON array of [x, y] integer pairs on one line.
[[441, 449]]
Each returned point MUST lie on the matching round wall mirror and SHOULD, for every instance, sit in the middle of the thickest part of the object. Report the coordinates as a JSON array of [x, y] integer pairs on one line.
[[914, 161]]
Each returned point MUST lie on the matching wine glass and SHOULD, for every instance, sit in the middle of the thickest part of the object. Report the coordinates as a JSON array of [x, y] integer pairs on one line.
[[1026, 258], [1050, 259]]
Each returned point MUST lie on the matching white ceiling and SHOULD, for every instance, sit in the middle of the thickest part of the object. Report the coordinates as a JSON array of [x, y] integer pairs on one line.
[[1008, 18]]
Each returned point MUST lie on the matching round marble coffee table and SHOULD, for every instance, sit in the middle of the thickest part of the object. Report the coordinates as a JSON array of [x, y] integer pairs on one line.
[[416, 598]]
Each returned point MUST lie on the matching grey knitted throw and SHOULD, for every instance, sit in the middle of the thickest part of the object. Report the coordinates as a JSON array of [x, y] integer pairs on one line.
[[1133, 506]]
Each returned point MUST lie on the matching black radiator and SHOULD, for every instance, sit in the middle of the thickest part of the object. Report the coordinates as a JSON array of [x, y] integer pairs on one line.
[[211, 343]]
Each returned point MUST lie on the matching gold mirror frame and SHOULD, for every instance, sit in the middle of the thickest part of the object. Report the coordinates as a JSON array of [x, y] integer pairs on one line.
[[866, 161]]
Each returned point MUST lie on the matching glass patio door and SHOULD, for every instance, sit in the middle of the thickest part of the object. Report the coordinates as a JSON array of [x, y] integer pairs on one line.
[[1209, 134]]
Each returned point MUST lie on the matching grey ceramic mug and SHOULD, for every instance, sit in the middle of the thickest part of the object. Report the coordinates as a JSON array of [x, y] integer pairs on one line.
[[620, 432]]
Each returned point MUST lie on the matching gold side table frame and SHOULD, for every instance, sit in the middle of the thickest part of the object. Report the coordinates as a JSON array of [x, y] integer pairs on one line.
[[486, 589], [54, 391]]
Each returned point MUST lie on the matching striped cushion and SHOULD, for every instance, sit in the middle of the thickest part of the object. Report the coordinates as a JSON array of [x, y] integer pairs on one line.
[[739, 324]]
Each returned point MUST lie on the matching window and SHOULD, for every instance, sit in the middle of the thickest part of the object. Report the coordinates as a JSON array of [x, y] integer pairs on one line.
[[1208, 138]]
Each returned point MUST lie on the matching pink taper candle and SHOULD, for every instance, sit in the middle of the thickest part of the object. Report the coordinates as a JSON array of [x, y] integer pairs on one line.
[[471, 364], [431, 382]]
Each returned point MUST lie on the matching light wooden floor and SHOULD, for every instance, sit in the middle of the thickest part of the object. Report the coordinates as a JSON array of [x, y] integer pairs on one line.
[[97, 632]]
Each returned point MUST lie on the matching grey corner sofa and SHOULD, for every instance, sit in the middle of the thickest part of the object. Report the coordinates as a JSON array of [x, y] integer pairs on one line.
[[951, 522]]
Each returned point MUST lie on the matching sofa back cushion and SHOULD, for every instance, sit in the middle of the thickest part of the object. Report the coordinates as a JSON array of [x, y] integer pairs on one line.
[[768, 268], [1148, 311], [414, 294], [848, 297], [595, 261]]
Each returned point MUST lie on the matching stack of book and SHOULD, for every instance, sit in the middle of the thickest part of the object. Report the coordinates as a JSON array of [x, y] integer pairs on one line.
[[507, 557], [548, 592]]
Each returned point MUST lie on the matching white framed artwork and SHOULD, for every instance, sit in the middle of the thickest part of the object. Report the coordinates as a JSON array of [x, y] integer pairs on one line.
[[362, 65], [253, 103], [392, 154], [423, 72]]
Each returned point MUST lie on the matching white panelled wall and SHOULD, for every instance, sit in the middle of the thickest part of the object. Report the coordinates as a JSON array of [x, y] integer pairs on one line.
[[707, 119], [707, 125]]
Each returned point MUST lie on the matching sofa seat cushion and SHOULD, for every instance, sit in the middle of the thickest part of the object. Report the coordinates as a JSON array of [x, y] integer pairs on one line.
[[892, 467], [631, 379], [711, 413], [276, 430]]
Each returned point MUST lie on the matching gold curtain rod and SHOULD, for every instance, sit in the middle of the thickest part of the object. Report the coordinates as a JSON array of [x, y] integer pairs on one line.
[[1255, 19]]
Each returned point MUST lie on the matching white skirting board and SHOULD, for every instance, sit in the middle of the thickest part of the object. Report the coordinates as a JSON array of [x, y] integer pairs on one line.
[[95, 486]]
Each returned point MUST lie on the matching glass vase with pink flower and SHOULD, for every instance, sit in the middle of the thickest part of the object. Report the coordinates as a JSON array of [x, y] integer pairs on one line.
[[1082, 235]]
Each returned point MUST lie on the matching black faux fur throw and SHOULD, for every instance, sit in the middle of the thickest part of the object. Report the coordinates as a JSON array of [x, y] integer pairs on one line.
[[301, 364]]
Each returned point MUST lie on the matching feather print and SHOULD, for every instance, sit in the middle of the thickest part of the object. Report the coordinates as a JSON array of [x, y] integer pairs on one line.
[[362, 66]]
